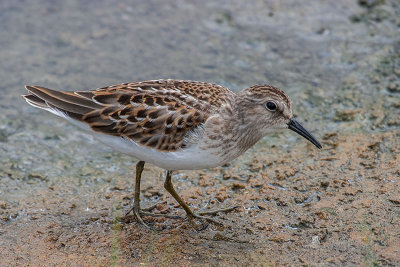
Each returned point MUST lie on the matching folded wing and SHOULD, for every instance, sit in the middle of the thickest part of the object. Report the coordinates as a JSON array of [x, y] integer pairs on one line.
[[155, 114]]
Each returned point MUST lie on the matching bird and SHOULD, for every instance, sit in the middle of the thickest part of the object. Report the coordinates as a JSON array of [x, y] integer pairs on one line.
[[174, 124]]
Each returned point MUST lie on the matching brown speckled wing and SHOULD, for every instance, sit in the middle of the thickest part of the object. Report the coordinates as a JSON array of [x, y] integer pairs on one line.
[[156, 114]]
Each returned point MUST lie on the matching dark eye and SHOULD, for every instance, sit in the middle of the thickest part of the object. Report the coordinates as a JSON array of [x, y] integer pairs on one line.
[[271, 106]]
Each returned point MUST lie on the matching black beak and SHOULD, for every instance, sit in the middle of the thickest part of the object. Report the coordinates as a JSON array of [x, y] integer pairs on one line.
[[296, 127]]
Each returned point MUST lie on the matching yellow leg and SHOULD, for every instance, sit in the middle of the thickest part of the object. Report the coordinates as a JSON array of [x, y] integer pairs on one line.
[[137, 211], [191, 215]]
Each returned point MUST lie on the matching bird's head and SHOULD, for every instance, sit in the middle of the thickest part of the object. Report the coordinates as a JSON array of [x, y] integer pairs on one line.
[[270, 109]]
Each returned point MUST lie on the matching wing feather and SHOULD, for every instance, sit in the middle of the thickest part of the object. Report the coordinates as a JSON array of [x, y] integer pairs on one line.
[[157, 114]]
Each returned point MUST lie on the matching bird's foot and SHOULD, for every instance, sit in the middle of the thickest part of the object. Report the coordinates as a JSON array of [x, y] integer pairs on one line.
[[139, 212], [207, 220], [214, 212], [152, 207], [201, 222]]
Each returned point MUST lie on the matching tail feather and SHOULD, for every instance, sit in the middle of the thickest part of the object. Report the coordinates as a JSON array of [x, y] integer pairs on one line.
[[36, 101], [69, 97], [86, 94], [66, 102], [73, 106]]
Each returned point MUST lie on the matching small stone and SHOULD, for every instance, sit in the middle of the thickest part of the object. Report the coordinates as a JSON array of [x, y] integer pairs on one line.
[[221, 195], [3, 136], [346, 115], [249, 231], [14, 174], [36, 175], [262, 206], [324, 184], [351, 191], [370, 3], [236, 186], [395, 199], [284, 172], [94, 218], [315, 241], [219, 237], [394, 87], [281, 238]]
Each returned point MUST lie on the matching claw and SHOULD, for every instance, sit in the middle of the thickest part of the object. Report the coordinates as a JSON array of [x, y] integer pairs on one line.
[[214, 212]]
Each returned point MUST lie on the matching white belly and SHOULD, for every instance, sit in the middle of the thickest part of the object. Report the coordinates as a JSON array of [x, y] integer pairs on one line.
[[191, 158]]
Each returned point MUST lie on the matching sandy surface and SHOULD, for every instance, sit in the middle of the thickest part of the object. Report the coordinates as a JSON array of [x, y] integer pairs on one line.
[[62, 193]]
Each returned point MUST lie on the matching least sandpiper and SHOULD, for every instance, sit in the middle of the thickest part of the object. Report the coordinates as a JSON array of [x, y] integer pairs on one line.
[[176, 125]]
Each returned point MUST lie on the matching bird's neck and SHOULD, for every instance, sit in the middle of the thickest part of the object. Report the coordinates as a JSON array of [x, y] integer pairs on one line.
[[247, 135], [244, 133], [229, 134]]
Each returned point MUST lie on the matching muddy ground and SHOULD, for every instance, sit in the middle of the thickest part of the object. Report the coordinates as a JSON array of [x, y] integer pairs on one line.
[[62, 193]]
